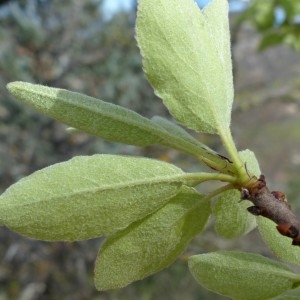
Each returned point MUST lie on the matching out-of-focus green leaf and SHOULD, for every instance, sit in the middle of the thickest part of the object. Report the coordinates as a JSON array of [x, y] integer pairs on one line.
[[271, 39], [187, 60], [291, 9], [242, 276], [280, 245], [231, 215], [149, 245], [283, 30], [260, 13], [264, 14], [88, 196]]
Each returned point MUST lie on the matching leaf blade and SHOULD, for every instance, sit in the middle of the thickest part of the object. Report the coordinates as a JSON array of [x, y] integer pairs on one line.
[[112, 122], [177, 138], [280, 245], [232, 219], [188, 72], [88, 114], [241, 275], [231, 215], [87, 197], [149, 245]]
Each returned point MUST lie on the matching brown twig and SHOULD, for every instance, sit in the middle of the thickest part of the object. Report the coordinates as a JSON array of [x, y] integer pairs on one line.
[[274, 206]]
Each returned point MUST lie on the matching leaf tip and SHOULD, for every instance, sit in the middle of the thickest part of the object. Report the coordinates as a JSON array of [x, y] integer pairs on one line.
[[14, 86]]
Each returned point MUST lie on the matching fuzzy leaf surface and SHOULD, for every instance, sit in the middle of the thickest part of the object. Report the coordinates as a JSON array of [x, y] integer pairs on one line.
[[88, 196], [280, 245], [250, 160], [149, 245], [286, 297], [242, 276], [231, 215], [176, 137], [88, 114], [175, 130], [187, 60], [111, 122]]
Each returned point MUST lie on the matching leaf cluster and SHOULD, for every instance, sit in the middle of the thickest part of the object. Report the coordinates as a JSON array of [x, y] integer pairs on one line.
[[150, 210], [276, 20]]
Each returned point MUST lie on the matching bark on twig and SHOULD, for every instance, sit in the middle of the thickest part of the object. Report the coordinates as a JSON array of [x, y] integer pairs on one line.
[[274, 206]]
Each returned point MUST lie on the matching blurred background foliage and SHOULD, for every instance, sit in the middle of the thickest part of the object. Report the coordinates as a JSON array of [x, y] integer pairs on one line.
[[74, 45], [278, 21]]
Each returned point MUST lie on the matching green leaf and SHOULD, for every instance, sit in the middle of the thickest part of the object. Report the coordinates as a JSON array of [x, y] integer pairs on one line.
[[290, 9], [91, 115], [187, 60], [149, 245], [88, 196], [286, 297], [249, 158], [177, 131], [242, 276], [264, 15], [280, 245], [112, 122], [271, 39], [176, 137], [231, 215]]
